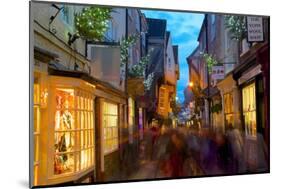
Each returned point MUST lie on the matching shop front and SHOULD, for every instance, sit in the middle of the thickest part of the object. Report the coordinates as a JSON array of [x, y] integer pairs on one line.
[[253, 81], [110, 113], [252, 104], [230, 103], [64, 131]]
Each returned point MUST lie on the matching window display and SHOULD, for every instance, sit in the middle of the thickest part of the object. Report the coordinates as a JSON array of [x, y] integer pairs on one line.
[[74, 131], [110, 127], [249, 109], [131, 119], [228, 109], [64, 138]]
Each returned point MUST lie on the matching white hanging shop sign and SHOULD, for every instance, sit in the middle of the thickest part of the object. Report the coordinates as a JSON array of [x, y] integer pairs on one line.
[[255, 29]]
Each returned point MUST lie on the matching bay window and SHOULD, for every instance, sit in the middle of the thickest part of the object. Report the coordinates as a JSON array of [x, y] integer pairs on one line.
[[74, 131]]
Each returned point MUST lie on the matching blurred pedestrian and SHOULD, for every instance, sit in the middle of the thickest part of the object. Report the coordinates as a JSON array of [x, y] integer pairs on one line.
[[177, 155], [236, 145], [223, 154]]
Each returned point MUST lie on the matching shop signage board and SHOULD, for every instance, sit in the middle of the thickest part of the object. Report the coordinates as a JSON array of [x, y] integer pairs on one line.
[[163, 101], [250, 74], [217, 72], [255, 29]]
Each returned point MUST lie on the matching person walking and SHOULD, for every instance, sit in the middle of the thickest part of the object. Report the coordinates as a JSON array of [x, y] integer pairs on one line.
[[236, 145], [177, 154]]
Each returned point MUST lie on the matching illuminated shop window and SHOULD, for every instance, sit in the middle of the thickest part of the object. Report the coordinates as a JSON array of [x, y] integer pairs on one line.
[[86, 128], [131, 119], [228, 109], [249, 109], [110, 127], [74, 131], [141, 123], [36, 129]]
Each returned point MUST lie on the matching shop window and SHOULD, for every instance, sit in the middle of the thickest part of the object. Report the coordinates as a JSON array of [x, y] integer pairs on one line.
[[228, 109], [85, 126], [74, 131], [36, 129], [110, 127], [131, 119], [141, 123], [249, 109]]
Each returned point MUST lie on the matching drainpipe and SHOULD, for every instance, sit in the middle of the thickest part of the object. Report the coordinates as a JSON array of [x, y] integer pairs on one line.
[[208, 77]]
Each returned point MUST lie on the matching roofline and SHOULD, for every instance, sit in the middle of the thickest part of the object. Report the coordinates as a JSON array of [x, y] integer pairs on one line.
[[202, 26], [193, 52]]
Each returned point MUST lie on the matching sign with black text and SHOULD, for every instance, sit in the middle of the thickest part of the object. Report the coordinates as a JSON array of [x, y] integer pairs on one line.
[[255, 29], [217, 72]]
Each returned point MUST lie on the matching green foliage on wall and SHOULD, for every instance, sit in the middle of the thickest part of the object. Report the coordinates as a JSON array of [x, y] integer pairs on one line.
[[148, 82], [210, 60], [92, 22], [236, 26], [125, 44], [138, 70]]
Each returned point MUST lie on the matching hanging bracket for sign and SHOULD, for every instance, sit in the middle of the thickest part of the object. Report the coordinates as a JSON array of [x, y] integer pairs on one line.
[[255, 32]]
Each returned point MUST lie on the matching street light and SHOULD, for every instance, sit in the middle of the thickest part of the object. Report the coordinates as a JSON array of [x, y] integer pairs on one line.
[[191, 84]]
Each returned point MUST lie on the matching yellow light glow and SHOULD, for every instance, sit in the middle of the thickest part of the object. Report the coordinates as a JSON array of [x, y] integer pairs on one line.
[[91, 85], [191, 84]]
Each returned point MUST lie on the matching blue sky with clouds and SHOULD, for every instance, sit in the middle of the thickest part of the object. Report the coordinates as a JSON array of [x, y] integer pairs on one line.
[[184, 28]]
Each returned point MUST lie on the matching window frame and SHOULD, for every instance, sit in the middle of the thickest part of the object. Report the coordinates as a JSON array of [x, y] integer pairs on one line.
[[107, 127], [252, 113], [228, 110], [88, 131]]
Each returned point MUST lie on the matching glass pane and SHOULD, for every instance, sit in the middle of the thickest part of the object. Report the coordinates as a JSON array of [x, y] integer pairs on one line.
[[115, 134], [91, 137], [64, 142], [78, 114], [92, 120], [85, 139], [63, 163], [84, 159], [82, 139], [81, 102], [91, 104], [64, 98], [82, 120], [104, 134], [77, 161], [78, 101], [64, 120]]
